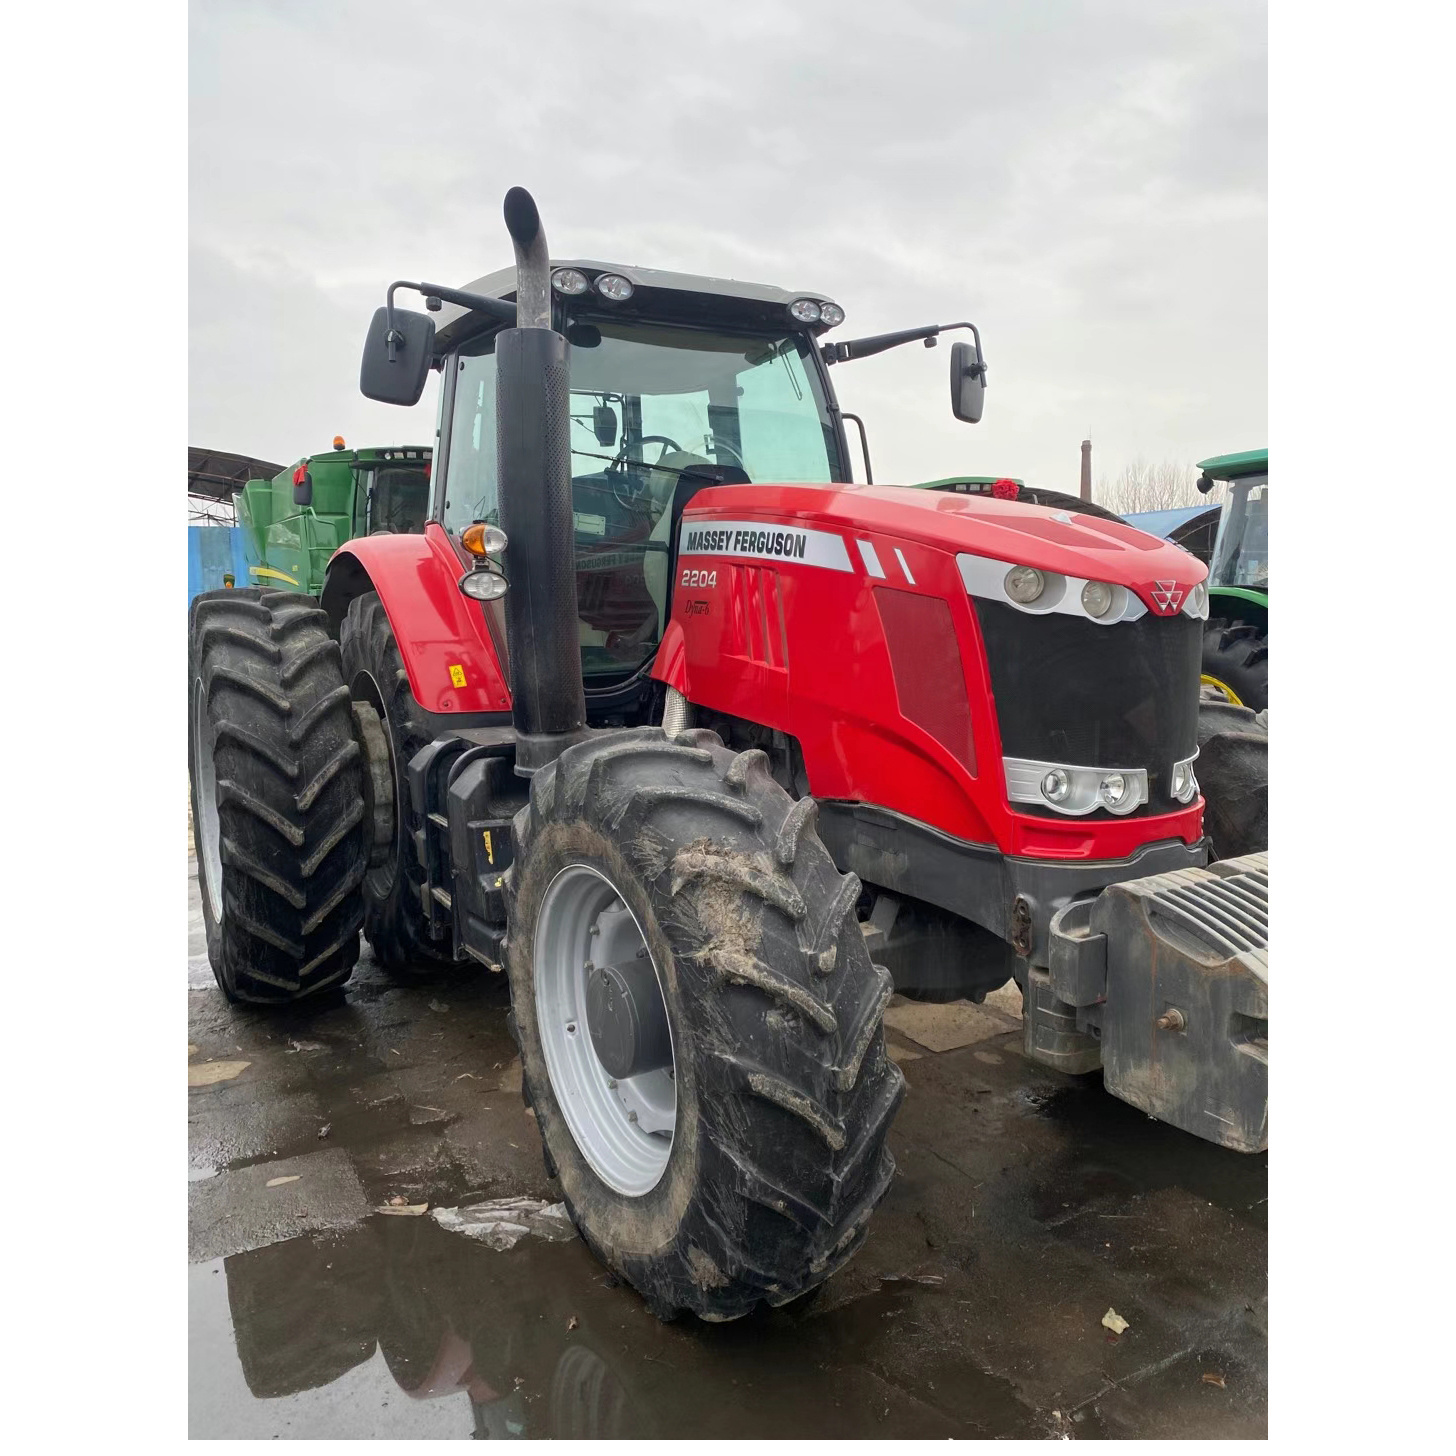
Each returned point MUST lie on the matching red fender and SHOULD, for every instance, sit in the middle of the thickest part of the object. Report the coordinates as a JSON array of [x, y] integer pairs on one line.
[[447, 648]]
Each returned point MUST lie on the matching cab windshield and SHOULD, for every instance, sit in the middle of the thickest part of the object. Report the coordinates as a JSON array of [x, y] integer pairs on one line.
[[1241, 552], [648, 403]]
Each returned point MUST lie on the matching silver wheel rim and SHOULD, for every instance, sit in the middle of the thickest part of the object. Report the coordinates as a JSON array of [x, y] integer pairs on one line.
[[364, 689], [207, 835], [625, 1128]]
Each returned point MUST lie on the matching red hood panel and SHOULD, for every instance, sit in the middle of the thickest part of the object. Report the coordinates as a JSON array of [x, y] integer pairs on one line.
[[1041, 536]]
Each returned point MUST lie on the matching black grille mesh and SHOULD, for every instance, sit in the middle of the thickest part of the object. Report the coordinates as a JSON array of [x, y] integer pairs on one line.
[[1070, 691]]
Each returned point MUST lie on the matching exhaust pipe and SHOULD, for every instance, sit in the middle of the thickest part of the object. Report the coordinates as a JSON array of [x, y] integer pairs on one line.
[[548, 703]]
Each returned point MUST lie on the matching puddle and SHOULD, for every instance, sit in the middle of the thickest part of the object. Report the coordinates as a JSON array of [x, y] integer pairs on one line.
[[401, 1329], [196, 1174]]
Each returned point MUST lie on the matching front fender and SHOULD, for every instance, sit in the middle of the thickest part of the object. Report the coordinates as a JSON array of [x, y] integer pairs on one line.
[[452, 662]]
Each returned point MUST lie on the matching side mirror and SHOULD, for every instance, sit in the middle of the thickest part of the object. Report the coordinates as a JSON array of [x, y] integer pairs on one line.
[[967, 383], [395, 366], [302, 486], [604, 424]]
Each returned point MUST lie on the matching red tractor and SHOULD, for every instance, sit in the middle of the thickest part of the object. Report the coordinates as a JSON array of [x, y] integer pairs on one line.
[[712, 751]]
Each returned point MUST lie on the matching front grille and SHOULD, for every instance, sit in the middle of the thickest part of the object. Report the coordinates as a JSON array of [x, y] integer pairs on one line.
[[1070, 691]]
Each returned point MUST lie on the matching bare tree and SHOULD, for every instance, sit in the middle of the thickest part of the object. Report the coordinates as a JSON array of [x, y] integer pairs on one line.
[[1162, 486]]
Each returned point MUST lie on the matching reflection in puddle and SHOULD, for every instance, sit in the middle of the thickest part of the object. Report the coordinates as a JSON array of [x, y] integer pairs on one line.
[[402, 1329]]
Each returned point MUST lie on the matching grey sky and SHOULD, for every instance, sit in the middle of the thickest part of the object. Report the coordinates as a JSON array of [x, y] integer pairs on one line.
[[1086, 182]]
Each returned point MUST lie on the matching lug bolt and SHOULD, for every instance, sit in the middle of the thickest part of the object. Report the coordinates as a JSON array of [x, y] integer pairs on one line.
[[588, 967], [571, 1028], [631, 1117], [595, 930], [611, 1084], [1172, 1020]]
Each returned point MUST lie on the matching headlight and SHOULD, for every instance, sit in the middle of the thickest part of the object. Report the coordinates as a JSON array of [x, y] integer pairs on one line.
[[1024, 584], [831, 315], [1184, 786], [1056, 786], [484, 586], [805, 310], [1097, 598], [570, 281], [1113, 791], [614, 287], [1196, 602]]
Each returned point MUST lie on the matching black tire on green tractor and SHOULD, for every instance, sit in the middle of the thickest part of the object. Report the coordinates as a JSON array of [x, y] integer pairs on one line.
[[394, 916], [699, 1021], [274, 773], [1236, 660], [1233, 776]]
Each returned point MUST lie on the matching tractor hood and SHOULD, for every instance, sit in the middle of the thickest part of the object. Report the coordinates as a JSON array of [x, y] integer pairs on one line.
[[1051, 540]]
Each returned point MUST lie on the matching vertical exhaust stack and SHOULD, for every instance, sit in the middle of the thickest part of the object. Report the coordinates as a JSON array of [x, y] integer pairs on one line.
[[534, 474]]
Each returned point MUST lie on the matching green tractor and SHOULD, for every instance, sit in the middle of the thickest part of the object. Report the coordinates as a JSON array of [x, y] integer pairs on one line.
[[1236, 641], [295, 522]]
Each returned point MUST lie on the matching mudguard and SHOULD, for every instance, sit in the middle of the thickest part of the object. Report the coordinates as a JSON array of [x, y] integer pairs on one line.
[[453, 662]]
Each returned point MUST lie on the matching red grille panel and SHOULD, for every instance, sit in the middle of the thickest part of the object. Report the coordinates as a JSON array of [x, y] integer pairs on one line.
[[926, 661]]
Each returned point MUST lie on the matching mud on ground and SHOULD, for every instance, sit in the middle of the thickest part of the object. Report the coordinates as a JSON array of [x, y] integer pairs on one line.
[[1026, 1206]]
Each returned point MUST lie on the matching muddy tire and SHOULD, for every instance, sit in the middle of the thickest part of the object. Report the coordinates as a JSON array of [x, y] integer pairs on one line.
[[1236, 658], [275, 777], [1233, 775], [394, 917], [783, 1092]]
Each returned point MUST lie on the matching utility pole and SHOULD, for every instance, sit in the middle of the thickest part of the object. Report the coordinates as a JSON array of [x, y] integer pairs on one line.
[[1086, 490]]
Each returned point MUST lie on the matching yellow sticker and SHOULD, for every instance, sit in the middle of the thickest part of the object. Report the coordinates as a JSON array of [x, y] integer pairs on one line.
[[457, 674], [489, 847]]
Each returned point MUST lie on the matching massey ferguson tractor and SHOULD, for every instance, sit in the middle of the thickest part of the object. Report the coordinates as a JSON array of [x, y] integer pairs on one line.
[[713, 751]]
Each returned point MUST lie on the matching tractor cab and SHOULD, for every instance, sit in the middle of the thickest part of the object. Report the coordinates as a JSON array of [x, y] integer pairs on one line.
[[677, 382], [1236, 644], [1241, 548]]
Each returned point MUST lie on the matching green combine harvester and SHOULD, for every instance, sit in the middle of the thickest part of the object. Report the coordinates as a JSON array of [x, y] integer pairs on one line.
[[1236, 641], [295, 522]]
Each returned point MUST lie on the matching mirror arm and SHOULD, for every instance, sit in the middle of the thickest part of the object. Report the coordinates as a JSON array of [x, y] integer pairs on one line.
[[495, 308], [878, 343]]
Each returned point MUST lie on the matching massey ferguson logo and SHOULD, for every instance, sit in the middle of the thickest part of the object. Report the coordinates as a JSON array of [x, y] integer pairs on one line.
[[1167, 597]]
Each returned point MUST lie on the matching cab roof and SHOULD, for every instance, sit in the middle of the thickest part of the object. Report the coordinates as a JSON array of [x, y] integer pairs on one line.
[[502, 284], [1236, 466]]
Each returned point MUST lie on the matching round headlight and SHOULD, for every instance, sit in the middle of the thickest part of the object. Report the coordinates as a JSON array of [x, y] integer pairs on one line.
[[570, 281], [1024, 584], [1196, 598], [805, 310], [1097, 599], [1114, 790], [614, 287], [831, 314], [484, 586], [1056, 786]]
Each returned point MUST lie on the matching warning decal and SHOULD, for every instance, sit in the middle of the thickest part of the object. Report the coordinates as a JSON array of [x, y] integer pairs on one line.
[[457, 675], [764, 540]]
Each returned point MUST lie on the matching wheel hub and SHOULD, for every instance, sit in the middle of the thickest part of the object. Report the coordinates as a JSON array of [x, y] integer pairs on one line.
[[625, 1016]]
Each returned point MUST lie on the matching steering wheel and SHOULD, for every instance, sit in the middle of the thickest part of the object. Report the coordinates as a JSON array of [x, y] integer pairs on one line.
[[720, 445], [617, 470]]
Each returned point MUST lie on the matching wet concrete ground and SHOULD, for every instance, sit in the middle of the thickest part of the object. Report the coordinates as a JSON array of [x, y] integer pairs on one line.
[[1026, 1205]]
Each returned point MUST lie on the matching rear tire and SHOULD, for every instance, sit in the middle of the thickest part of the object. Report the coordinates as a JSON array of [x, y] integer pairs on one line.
[[1236, 660], [277, 808], [1233, 774], [783, 1092], [394, 917]]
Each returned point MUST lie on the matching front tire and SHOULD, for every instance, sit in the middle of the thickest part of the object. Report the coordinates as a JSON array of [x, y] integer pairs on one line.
[[394, 917], [275, 777], [1233, 774], [1236, 662], [772, 1150]]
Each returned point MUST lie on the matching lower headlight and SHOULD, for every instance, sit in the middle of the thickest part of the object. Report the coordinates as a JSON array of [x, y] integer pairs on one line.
[[484, 586], [1113, 791], [1056, 786]]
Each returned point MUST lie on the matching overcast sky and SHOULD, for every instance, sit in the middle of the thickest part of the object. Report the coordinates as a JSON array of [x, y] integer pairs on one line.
[[1086, 182]]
